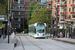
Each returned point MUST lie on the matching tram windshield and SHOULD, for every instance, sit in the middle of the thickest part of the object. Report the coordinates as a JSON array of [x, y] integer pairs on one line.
[[40, 24], [40, 31]]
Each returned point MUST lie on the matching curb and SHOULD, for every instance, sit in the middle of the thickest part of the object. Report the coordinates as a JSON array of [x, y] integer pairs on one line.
[[64, 41]]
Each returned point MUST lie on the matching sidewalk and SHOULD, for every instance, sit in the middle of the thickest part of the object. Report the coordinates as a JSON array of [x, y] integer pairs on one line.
[[4, 43], [68, 40]]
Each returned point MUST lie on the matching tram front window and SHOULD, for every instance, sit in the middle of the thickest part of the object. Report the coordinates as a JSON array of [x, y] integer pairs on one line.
[[40, 31]]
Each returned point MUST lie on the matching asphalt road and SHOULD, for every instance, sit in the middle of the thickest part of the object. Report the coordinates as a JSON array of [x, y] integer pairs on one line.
[[30, 43]]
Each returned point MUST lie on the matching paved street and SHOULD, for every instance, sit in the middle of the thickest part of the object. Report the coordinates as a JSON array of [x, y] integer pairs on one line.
[[29, 43]]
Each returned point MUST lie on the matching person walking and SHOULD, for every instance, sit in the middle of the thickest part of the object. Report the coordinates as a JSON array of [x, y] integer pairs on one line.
[[3, 33], [61, 35]]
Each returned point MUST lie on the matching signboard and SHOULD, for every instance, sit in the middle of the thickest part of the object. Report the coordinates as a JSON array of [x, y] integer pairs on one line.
[[1, 19], [68, 22]]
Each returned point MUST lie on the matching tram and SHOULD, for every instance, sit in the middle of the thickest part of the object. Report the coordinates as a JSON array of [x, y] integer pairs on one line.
[[37, 30]]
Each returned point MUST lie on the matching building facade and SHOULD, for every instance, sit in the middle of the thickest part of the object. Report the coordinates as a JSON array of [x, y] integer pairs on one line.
[[65, 9], [20, 12]]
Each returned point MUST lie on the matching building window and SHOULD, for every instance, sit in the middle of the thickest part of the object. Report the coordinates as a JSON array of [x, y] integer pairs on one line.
[[73, 9], [39, 1], [65, 17], [69, 17], [73, 1], [69, 9], [69, 1], [73, 16], [16, 0], [21, 1], [31, 0]]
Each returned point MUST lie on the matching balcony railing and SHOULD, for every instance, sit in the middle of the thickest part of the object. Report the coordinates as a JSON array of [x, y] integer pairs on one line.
[[16, 3], [63, 13], [64, 4], [49, 1], [18, 9], [73, 4], [73, 12], [18, 15], [17, 22]]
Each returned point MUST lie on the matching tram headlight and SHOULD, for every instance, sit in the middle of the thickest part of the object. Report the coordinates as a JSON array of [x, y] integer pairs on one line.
[[38, 34], [43, 34]]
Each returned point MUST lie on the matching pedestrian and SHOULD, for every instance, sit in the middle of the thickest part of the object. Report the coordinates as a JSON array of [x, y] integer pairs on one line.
[[3, 33], [61, 35]]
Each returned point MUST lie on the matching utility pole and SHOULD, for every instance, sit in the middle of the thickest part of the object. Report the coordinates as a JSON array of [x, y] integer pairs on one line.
[[8, 22]]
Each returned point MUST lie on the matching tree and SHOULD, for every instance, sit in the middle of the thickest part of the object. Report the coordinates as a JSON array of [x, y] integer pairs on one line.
[[37, 5], [41, 15], [3, 7], [30, 10]]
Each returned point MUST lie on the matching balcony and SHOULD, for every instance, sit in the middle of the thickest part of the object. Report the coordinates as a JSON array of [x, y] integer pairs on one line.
[[17, 22], [73, 4], [58, 8], [58, 0], [64, 4], [16, 3], [18, 15], [49, 8], [49, 1], [18, 9], [72, 12], [63, 13]]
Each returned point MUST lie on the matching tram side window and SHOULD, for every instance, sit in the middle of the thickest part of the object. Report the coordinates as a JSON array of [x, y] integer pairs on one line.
[[32, 29]]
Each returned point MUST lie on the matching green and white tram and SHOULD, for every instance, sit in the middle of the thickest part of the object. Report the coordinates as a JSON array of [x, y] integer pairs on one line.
[[37, 30]]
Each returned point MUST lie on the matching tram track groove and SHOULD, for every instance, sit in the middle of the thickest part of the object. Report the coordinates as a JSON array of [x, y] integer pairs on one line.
[[21, 43], [33, 43]]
